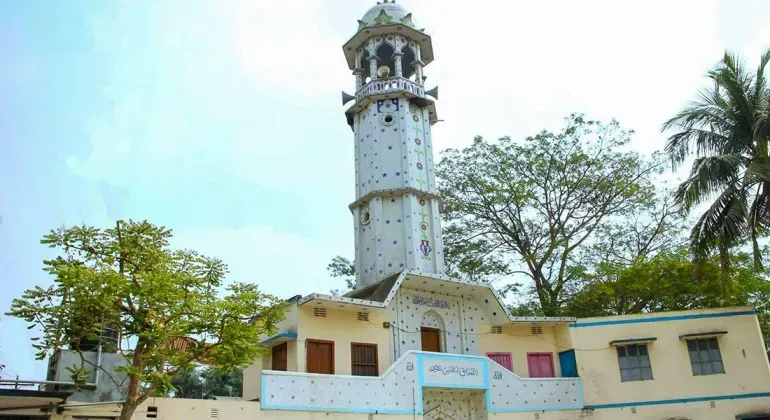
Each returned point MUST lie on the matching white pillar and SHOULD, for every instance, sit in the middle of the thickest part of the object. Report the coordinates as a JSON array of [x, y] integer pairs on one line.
[[372, 67], [417, 64], [359, 73], [397, 57]]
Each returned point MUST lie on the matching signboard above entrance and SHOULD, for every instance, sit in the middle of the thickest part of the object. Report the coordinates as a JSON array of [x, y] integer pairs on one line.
[[452, 372]]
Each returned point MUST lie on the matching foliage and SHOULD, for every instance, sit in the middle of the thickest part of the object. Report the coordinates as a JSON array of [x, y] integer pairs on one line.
[[164, 304], [669, 281], [208, 383], [539, 201], [345, 269], [727, 131]]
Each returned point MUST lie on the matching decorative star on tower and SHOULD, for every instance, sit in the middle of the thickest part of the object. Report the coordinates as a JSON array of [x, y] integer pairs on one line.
[[383, 18]]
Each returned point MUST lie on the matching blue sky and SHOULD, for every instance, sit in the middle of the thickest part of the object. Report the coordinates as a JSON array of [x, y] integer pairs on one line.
[[222, 120]]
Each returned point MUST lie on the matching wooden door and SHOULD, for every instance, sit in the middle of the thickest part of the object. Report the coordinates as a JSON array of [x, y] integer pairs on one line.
[[280, 357], [430, 339], [540, 365], [320, 356]]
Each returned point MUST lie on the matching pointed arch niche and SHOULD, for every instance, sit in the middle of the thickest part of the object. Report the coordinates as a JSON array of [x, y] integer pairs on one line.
[[433, 332]]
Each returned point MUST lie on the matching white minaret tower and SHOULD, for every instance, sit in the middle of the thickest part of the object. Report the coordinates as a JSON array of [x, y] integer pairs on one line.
[[396, 212]]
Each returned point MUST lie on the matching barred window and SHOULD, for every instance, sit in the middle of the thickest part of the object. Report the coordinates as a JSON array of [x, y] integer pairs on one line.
[[364, 359], [705, 357], [634, 363]]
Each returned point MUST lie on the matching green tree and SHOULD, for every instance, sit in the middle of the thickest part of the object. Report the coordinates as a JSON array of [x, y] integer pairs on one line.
[[537, 202], [343, 268], [187, 384], [166, 305], [208, 383], [727, 131], [669, 281]]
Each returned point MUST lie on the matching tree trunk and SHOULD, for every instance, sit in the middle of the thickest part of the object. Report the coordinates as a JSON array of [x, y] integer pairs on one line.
[[132, 396], [127, 411]]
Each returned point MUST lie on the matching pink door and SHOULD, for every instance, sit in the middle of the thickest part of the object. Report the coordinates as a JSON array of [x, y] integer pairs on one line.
[[540, 365], [503, 359]]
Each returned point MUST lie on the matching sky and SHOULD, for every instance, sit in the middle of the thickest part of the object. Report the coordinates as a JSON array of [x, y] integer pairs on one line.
[[222, 120]]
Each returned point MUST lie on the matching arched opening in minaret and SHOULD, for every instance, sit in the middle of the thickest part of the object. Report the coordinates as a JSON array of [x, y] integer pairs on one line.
[[385, 58], [406, 62]]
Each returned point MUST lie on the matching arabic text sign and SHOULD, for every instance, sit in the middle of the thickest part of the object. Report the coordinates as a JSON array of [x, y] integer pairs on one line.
[[429, 301], [459, 372]]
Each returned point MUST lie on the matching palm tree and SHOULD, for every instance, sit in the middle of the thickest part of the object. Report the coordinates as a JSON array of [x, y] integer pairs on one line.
[[727, 130]]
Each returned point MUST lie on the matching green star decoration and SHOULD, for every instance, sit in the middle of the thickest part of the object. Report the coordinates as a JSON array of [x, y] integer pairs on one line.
[[361, 25], [383, 18], [407, 20]]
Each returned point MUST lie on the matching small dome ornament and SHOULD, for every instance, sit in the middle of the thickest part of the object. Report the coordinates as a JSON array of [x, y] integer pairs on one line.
[[387, 13]]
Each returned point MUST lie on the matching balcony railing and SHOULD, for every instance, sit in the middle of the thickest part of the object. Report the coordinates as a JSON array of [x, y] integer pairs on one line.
[[393, 84], [399, 389]]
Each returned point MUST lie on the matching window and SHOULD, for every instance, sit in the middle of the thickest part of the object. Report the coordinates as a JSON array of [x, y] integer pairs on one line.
[[540, 365], [503, 359], [705, 357], [634, 363], [364, 359]]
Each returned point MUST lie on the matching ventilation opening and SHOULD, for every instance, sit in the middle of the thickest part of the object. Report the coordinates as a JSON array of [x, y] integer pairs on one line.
[[388, 118], [214, 413], [537, 330], [152, 412], [633, 410], [319, 312], [496, 329], [363, 316], [712, 404]]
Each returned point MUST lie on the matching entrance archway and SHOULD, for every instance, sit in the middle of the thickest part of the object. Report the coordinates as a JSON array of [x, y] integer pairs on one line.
[[432, 332]]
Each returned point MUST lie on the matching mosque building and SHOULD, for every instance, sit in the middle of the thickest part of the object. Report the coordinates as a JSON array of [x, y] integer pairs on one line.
[[411, 342]]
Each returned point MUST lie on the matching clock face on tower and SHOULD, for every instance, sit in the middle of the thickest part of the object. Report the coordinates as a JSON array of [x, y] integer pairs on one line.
[[365, 217]]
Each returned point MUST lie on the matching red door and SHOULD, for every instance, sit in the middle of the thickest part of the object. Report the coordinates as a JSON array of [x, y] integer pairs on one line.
[[540, 365], [503, 359]]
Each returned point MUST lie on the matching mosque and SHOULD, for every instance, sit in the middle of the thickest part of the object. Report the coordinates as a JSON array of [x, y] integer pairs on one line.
[[412, 343]]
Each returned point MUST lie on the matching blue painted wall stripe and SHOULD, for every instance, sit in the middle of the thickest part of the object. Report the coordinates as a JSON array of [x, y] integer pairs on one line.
[[660, 319], [279, 336], [679, 400]]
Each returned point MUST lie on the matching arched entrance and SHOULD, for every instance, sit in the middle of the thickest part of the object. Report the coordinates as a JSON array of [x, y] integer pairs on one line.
[[432, 332]]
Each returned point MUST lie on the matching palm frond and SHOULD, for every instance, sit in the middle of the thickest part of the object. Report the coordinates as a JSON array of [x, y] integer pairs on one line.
[[723, 223], [760, 81], [759, 220], [709, 176]]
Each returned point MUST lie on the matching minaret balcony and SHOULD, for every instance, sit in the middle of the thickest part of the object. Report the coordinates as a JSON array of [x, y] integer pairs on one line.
[[390, 85], [390, 88]]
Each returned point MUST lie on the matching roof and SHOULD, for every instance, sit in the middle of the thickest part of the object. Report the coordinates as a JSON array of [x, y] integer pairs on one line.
[[18, 399], [379, 295]]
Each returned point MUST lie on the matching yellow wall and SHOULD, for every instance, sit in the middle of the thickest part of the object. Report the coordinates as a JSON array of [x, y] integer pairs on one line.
[[252, 384], [252, 374], [342, 327], [742, 349], [519, 340]]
